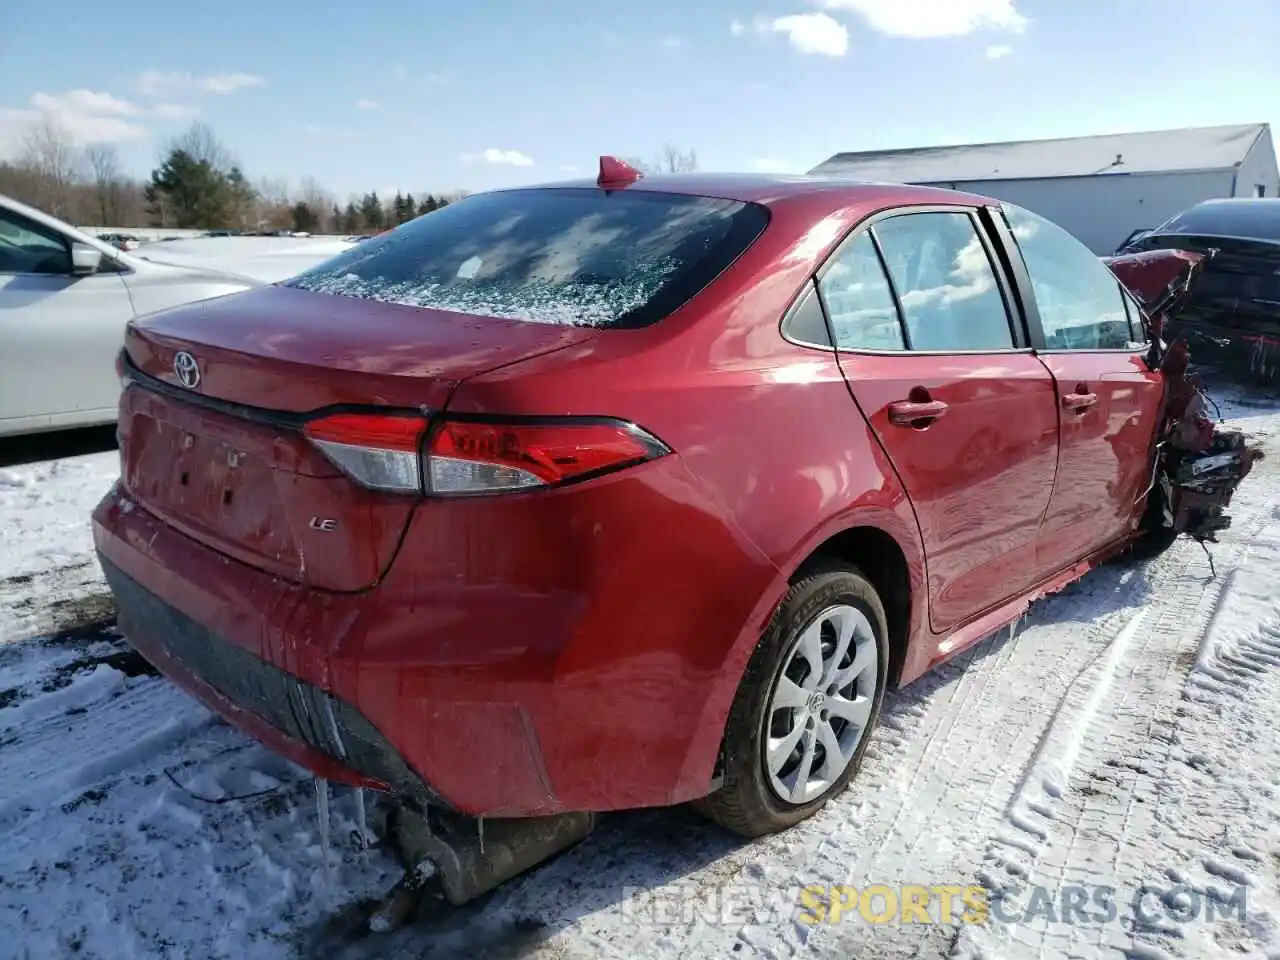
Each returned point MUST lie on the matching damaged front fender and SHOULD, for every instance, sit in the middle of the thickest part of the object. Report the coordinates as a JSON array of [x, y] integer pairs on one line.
[[1154, 275], [1199, 464]]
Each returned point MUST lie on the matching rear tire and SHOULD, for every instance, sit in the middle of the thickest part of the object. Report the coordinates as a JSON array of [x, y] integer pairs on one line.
[[810, 700]]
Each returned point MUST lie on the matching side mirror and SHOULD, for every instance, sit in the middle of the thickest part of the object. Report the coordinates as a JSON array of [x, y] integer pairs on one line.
[[84, 259]]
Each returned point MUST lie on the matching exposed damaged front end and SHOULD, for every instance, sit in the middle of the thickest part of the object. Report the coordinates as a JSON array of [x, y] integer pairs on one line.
[[1198, 463]]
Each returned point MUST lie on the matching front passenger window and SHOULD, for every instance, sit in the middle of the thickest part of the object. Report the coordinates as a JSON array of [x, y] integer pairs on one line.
[[1081, 307], [26, 248]]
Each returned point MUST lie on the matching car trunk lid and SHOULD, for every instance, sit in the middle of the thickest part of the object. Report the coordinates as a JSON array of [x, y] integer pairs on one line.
[[223, 458]]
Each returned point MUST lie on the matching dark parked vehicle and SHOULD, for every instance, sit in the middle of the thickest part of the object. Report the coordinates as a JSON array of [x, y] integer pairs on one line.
[[1232, 319], [1132, 239]]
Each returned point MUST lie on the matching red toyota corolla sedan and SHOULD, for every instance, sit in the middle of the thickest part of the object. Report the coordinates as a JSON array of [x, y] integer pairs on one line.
[[626, 492]]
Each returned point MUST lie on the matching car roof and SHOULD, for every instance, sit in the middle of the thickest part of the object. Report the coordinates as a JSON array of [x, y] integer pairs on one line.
[[1247, 218], [769, 189]]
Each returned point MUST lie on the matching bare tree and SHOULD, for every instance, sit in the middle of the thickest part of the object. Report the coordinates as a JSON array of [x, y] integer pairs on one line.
[[675, 160], [201, 144], [49, 151], [317, 198], [104, 168], [670, 159], [275, 206]]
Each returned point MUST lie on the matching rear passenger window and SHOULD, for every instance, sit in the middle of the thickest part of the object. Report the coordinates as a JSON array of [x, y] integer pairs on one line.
[[859, 299], [945, 283], [1081, 307], [806, 323]]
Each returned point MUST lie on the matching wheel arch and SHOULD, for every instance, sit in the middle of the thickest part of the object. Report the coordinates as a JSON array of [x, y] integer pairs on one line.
[[881, 559], [886, 548]]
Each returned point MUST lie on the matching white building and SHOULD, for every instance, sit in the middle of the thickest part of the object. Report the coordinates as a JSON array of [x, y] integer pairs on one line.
[[1103, 188]]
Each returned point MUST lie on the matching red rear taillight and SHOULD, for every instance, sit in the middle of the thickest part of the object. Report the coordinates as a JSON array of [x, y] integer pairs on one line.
[[473, 457], [376, 451], [470, 457]]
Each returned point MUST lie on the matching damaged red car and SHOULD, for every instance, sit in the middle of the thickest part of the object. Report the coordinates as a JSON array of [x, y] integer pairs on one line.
[[637, 491]]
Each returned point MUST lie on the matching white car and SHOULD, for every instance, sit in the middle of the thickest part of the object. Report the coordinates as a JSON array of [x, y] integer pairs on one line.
[[65, 298]]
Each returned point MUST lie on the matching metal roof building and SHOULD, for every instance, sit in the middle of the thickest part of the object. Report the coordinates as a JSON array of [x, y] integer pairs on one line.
[[1100, 188]]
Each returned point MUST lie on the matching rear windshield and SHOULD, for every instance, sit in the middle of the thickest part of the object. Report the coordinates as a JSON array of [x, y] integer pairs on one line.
[[1253, 219], [580, 257]]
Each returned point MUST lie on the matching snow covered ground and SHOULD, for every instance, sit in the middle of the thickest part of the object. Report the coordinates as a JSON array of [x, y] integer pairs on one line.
[[269, 259], [1124, 737]]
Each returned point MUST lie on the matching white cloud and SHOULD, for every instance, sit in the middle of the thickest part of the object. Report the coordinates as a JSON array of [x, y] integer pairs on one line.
[[737, 28], [922, 19], [364, 104], [673, 42], [85, 101], [511, 158], [811, 33], [399, 72], [156, 83], [88, 116], [999, 51], [772, 165]]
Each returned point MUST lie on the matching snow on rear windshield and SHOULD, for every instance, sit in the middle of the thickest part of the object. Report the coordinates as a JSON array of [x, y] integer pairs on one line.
[[577, 257]]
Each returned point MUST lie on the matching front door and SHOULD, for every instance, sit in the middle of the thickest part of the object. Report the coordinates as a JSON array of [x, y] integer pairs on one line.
[[59, 334], [965, 412], [1088, 337]]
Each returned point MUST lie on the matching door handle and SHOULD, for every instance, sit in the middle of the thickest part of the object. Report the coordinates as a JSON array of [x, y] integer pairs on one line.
[[910, 413], [1079, 402]]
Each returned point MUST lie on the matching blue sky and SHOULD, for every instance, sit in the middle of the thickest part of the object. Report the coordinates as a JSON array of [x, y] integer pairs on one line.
[[386, 94]]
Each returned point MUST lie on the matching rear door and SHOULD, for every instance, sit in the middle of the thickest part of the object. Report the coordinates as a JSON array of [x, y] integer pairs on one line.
[[1108, 400], [932, 354]]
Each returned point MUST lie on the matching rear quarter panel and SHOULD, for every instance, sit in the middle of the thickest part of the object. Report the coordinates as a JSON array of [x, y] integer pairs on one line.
[[768, 428]]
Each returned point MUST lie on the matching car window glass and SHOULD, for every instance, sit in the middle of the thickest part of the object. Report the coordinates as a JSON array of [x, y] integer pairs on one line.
[[24, 248], [806, 323], [1137, 322], [1079, 300], [859, 299], [945, 283], [577, 257]]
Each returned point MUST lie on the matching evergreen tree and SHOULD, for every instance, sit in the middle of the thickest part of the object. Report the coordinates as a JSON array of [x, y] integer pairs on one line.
[[428, 204], [371, 211], [305, 219], [190, 194], [410, 208], [335, 220], [242, 199], [351, 219]]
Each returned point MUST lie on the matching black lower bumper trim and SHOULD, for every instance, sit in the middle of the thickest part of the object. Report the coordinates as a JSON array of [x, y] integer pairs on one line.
[[299, 710]]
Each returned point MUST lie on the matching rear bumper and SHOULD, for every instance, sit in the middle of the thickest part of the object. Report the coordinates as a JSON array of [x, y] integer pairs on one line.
[[491, 671], [299, 720]]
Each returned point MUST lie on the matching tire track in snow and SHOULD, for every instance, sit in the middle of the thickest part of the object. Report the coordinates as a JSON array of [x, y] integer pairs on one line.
[[961, 738], [1159, 583], [91, 739], [1063, 837]]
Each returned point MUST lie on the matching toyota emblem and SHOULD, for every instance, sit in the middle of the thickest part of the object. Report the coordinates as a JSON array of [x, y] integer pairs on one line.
[[188, 371]]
